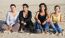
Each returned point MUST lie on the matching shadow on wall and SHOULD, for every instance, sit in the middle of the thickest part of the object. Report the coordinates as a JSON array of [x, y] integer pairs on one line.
[[1, 23]]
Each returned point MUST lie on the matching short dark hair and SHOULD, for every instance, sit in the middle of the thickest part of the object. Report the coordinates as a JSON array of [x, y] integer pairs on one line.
[[13, 5], [56, 6], [26, 5]]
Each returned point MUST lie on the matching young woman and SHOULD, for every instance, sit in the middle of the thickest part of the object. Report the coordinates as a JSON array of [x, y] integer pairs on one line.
[[11, 19], [42, 19], [25, 18], [56, 18]]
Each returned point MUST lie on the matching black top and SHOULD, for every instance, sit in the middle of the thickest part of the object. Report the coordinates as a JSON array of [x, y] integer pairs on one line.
[[27, 19], [42, 18]]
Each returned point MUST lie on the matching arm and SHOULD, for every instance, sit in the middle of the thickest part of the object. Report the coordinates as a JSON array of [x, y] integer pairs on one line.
[[7, 19], [51, 22], [20, 17], [29, 16], [36, 18], [60, 18]]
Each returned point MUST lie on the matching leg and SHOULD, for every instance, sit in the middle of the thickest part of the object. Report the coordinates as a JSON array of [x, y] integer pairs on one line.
[[21, 26], [58, 28], [53, 27], [31, 26], [15, 27], [46, 27], [10, 28], [38, 26], [5, 27]]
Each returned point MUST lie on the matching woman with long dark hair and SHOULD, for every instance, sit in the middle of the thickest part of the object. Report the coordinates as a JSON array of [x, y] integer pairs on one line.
[[41, 19]]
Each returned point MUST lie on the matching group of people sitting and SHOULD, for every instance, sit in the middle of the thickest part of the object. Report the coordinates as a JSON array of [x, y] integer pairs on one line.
[[15, 21]]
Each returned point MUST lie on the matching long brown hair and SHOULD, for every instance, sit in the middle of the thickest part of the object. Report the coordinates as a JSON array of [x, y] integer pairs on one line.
[[44, 9]]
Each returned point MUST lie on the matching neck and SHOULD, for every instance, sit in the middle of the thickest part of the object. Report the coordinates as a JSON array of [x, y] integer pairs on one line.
[[26, 11], [14, 11], [43, 11], [56, 12]]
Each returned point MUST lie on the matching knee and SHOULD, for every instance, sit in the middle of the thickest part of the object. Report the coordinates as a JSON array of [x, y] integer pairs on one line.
[[4, 26]]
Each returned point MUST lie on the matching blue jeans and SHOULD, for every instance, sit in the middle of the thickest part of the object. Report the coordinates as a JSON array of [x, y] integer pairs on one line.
[[56, 28], [42, 27]]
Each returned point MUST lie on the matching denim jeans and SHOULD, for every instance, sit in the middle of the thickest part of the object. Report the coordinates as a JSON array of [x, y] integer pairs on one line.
[[42, 27], [56, 28]]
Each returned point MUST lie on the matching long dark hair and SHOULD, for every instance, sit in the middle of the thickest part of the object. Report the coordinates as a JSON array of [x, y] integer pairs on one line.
[[44, 9]]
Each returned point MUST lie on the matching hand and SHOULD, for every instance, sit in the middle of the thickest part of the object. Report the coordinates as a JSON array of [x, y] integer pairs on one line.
[[43, 23], [24, 23], [10, 27], [39, 21]]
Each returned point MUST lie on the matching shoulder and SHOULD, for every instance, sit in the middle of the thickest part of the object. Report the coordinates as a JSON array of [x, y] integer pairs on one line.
[[20, 12], [29, 11], [60, 13], [9, 13], [52, 13], [17, 13], [37, 12]]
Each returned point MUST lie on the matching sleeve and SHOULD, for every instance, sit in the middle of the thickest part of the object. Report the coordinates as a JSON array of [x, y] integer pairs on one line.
[[7, 19], [18, 19], [29, 16], [21, 17]]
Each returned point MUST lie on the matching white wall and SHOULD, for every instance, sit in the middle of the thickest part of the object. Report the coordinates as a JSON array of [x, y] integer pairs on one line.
[[4, 5]]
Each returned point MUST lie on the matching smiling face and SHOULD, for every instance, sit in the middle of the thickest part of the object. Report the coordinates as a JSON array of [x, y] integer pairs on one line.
[[42, 7], [13, 8], [25, 8], [57, 9]]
